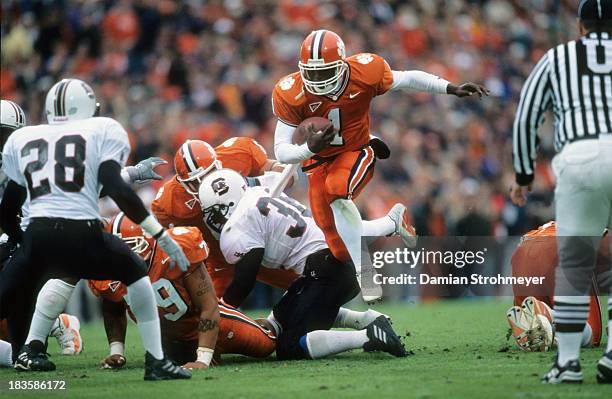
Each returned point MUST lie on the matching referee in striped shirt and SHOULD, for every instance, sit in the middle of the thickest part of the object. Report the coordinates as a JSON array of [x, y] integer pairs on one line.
[[575, 81]]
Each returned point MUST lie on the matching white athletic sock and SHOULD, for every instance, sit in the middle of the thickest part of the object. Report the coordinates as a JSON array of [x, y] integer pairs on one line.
[[6, 354], [142, 304], [380, 227], [348, 318], [569, 347], [587, 334], [571, 313], [322, 343], [349, 227], [51, 302]]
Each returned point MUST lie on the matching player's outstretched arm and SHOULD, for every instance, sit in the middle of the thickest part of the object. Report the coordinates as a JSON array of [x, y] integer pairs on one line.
[[423, 81], [245, 276], [115, 324], [202, 294], [109, 175]]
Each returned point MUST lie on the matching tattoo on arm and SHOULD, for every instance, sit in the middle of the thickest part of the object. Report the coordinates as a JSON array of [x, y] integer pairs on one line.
[[204, 286], [206, 325]]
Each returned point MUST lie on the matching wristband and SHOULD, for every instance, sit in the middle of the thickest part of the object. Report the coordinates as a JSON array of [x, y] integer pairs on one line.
[[152, 227], [117, 348], [125, 175], [205, 355]]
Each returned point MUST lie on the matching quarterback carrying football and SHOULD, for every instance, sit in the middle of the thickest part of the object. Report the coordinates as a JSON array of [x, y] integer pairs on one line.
[[340, 160]]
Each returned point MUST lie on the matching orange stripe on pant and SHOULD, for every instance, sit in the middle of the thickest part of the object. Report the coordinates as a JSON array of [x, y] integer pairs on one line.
[[344, 177]]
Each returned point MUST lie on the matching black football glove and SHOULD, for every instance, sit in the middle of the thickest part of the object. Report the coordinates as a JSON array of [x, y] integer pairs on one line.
[[317, 141]]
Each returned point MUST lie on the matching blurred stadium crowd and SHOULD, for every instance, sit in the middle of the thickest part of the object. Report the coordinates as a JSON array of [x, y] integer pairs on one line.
[[171, 70]]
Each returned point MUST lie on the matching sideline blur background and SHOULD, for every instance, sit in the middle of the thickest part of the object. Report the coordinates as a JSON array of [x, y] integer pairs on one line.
[[172, 70]]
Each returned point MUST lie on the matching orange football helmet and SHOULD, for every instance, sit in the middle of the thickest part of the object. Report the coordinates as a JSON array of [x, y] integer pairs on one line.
[[322, 62], [132, 234], [194, 160]]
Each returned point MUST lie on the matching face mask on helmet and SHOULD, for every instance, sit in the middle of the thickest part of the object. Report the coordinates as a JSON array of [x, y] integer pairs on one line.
[[322, 79], [139, 245], [216, 216], [192, 185], [132, 234]]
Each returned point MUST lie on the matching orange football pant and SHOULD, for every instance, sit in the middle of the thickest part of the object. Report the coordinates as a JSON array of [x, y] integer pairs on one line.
[[241, 335], [344, 177]]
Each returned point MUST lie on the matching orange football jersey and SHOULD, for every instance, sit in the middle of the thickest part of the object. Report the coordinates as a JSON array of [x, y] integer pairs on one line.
[[368, 76], [178, 317]]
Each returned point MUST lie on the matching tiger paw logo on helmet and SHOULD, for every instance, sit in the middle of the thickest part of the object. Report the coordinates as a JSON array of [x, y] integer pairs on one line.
[[365, 58]]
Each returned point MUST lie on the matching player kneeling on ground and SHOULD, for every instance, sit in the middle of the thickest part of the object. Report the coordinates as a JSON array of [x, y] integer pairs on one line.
[[191, 317], [259, 230], [532, 319]]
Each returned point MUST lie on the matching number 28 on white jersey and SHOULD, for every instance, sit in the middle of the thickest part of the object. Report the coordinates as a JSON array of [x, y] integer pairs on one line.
[[58, 164]]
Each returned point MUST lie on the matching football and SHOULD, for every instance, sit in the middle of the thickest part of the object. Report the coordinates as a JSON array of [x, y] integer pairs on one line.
[[300, 135]]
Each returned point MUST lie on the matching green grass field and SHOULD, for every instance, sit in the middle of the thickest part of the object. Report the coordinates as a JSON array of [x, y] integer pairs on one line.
[[460, 351]]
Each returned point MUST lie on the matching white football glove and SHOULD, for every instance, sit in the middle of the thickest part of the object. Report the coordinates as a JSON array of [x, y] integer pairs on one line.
[[144, 171]]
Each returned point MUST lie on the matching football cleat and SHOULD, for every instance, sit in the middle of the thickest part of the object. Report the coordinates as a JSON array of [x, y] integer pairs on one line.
[[164, 369], [571, 373], [604, 369], [399, 215], [531, 325], [66, 331], [383, 338], [33, 357]]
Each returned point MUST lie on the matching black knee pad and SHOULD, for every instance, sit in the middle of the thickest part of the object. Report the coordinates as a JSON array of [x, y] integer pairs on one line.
[[288, 347]]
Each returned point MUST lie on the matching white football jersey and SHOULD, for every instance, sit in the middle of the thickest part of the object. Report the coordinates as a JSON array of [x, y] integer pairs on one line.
[[282, 226], [58, 164]]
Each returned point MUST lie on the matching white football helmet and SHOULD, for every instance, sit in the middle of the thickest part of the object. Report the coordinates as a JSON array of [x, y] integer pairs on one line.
[[69, 100], [12, 118], [219, 194]]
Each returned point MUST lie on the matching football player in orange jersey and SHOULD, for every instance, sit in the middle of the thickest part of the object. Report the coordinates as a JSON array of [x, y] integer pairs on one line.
[[176, 203], [189, 311], [340, 163], [536, 255]]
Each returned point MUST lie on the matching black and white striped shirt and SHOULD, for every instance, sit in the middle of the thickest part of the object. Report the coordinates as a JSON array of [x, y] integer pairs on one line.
[[575, 80]]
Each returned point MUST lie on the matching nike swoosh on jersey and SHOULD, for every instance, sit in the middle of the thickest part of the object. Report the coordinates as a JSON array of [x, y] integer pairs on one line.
[[353, 95]]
